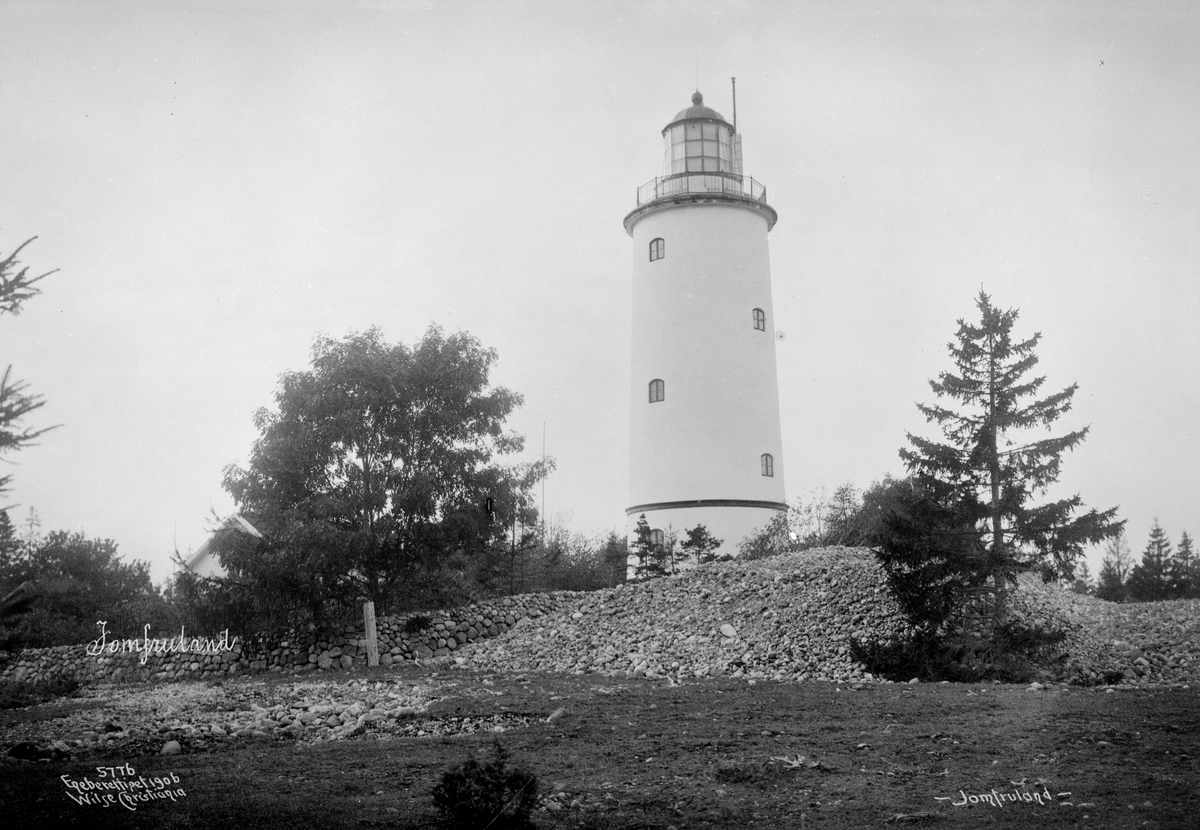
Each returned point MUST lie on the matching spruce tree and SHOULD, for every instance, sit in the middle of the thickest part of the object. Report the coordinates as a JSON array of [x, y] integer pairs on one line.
[[1194, 570], [1114, 570], [16, 286], [1181, 570], [1150, 580], [1082, 583], [988, 466]]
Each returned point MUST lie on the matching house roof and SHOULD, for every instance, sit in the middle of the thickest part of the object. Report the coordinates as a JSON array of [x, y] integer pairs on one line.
[[235, 521]]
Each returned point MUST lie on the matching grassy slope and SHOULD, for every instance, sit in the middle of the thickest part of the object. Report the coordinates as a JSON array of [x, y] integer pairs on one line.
[[642, 754]]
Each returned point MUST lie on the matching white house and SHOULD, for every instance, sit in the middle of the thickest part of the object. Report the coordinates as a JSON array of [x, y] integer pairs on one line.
[[203, 561]]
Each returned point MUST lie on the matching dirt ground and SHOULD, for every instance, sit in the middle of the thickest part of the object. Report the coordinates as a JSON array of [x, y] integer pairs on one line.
[[711, 753]]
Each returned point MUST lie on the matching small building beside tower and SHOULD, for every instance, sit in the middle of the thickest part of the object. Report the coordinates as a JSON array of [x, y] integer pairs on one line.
[[705, 445]]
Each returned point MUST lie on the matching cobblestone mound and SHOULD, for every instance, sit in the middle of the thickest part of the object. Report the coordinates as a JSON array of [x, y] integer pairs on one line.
[[792, 617]]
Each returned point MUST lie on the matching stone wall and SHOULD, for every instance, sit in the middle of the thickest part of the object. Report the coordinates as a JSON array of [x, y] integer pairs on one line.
[[401, 637]]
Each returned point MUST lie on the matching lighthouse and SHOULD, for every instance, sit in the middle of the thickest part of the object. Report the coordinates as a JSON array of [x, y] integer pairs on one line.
[[705, 443]]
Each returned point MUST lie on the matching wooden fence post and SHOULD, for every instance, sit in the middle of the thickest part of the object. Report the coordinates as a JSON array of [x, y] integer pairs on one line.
[[372, 637]]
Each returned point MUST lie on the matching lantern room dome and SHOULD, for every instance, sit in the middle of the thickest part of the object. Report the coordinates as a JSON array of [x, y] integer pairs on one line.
[[697, 111]]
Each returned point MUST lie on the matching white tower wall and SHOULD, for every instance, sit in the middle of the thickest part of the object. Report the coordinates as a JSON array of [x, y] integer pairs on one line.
[[696, 455]]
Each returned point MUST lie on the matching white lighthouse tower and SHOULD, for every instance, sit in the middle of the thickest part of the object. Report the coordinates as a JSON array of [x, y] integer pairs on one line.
[[705, 443]]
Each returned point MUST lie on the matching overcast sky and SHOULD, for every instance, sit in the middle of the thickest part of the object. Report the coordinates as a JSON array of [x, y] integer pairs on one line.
[[218, 182]]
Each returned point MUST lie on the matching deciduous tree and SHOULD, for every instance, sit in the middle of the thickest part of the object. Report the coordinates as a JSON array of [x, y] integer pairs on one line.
[[77, 581], [376, 476]]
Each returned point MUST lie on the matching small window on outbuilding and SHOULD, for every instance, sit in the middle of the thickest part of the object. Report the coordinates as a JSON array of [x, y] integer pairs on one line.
[[768, 464], [658, 390], [658, 249], [760, 319]]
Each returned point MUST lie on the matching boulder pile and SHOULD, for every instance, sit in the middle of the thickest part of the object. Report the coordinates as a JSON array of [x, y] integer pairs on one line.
[[793, 617]]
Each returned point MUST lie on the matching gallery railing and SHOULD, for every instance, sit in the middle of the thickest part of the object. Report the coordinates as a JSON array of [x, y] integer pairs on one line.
[[699, 184]]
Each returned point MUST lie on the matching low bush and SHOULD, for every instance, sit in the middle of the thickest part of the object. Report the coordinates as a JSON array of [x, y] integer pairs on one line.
[[1013, 655], [494, 795]]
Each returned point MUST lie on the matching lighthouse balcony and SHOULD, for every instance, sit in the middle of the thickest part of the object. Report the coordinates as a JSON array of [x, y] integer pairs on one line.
[[701, 184], [682, 189]]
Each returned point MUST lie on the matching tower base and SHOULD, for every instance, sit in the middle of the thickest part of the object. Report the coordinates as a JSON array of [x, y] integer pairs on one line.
[[730, 520]]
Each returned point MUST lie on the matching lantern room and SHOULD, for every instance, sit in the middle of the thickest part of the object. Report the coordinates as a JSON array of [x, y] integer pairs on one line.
[[699, 140], [702, 160]]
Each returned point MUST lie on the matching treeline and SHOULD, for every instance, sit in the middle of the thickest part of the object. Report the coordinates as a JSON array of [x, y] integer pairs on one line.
[[54, 587], [1162, 573], [267, 597]]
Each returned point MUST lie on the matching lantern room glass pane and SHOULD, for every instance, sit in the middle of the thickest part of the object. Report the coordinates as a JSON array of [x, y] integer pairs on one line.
[[699, 146]]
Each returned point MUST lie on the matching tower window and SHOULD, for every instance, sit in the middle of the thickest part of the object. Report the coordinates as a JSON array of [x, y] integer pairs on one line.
[[760, 319], [658, 390], [657, 249], [768, 464], [656, 538]]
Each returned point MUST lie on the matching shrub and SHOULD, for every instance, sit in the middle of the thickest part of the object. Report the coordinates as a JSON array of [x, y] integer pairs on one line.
[[15, 694], [1011, 656], [473, 796], [769, 540]]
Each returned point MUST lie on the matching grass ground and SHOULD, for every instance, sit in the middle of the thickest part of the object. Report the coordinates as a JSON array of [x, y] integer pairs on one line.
[[714, 753]]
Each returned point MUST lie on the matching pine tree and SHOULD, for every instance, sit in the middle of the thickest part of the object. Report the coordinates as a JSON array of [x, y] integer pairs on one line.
[[1149, 580], [646, 554], [1182, 569], [1114, 570], [985, 468], [701, 546]]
